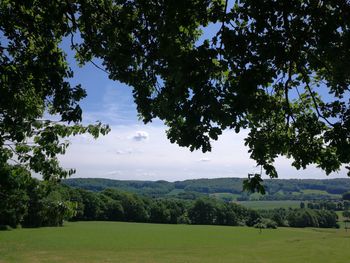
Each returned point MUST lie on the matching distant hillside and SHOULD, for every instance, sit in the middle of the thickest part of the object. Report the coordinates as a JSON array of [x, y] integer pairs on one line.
[[223, 188]]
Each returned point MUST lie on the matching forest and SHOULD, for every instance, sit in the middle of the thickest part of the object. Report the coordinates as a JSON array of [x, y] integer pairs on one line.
[[276, 189], [29, 202]]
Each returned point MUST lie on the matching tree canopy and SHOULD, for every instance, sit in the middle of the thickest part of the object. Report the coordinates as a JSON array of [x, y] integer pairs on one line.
[[277, 68]]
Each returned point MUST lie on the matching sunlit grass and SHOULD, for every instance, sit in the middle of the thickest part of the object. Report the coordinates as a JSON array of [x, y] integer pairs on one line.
[[131, 242]]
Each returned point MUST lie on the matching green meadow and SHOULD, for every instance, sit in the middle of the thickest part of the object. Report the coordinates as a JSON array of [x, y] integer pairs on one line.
[[132, 242], [271, 204]]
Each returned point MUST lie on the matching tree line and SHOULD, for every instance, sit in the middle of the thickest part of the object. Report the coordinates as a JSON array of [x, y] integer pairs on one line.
[[32, 203], [291, 189], [301, 217], [335, 205]]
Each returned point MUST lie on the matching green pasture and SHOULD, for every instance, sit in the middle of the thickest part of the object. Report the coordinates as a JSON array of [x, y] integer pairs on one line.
[[132, 242], [270, 204], [313, 191], [225, 196], [341, 219], [320, 192]]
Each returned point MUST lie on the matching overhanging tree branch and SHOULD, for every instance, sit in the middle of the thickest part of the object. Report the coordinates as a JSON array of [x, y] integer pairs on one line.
[[319, 114], [286, 94], [74, 46], [223, 25]]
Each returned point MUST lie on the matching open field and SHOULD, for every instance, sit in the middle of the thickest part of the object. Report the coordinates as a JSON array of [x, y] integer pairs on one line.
[[341, 219], [131, 242], [225, 196], [270, 204]]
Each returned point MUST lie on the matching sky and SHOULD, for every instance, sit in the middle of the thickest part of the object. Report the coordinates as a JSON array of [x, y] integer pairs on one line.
[[134, 151]]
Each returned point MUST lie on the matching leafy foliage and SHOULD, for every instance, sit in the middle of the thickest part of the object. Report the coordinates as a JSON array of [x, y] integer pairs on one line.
[[312, 218], [263, 70], [330, 205], [253, 183], [346, 196], [34, 83], [266, 223], [299, 218], [31, 203], [28, 202], [346, 213], [13, 194]]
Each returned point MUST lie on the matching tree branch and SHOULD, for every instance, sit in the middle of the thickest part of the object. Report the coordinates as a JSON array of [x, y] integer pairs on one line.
[[321, 62], [223, 25], [286, 91], [77, 50], [16, 162], [314, 99], [4, 48], [11, 148], [71, 13]]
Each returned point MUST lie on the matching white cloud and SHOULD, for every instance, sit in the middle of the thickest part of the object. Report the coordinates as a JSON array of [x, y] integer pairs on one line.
[[111, 173], [118, 155], [123, 152], [140, 136]]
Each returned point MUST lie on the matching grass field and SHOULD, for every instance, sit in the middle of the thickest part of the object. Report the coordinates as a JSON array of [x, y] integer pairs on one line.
[[131, 242], [270, 204], [225, 196], [341, 219], [320, 192]]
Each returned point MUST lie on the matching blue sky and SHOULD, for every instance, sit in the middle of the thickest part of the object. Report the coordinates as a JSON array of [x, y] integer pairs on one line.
[[136, 151]]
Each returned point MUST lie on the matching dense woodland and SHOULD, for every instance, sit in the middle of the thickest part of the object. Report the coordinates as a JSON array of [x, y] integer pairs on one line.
[[293, 189], [32, 203]]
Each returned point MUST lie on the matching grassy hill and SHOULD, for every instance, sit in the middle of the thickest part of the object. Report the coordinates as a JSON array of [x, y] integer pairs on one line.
[[223, 188], [132, 242]]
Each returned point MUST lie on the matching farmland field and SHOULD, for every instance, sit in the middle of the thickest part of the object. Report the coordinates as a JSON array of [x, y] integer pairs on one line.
[[132, 242], [270, 204], [225, 196]]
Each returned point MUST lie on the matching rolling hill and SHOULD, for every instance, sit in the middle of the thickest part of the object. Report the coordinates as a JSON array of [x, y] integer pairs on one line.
[[223, 188]]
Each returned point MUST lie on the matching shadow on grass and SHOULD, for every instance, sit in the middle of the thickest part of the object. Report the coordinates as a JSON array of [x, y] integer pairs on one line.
[[5, 228]]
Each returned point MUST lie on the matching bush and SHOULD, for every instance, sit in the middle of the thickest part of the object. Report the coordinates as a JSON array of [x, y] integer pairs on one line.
[[346, 196], [312, 218], [266, 223]]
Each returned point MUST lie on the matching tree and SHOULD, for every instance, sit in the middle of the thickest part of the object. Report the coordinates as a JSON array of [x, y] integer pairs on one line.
[[303, 218], [346, 196], [346, 215], [34, 84], [48, 204], [134, 207], [112, 209], [177, 211], [226, 214], [28, 202], [159, 213], [327, 218], [203, 212], [92, 205], [263, 70], [264, 223], [14, 199]]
